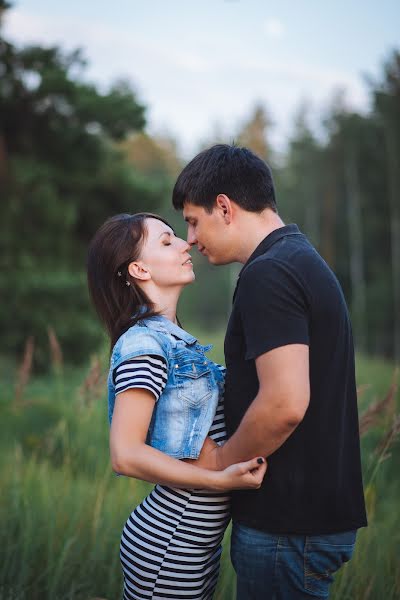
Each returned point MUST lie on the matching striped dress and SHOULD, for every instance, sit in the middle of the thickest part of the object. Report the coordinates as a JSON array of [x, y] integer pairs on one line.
[[171, 543]]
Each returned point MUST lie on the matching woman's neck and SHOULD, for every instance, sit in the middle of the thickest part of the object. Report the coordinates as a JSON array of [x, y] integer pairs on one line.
[[165, 301], [168, 312]]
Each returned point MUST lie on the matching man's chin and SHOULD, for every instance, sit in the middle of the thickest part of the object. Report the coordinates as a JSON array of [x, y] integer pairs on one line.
[[216, 260]]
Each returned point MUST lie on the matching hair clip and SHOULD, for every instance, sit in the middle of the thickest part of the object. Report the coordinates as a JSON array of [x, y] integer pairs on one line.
[[119, 274], [128, 283]]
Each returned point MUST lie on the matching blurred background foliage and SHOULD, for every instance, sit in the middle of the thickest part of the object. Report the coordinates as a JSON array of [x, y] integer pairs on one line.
[[62, 509], [72, 155]]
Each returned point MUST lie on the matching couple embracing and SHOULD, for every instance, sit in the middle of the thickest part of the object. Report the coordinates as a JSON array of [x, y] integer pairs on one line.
[[271, 440]]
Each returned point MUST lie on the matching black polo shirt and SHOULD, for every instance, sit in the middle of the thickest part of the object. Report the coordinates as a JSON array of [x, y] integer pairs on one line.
[[287, 294]]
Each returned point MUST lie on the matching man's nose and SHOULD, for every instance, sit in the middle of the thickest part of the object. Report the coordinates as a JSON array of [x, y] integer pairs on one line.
[[191, 238]]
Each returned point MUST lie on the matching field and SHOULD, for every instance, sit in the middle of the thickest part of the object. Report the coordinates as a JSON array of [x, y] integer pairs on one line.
[[62, 508]]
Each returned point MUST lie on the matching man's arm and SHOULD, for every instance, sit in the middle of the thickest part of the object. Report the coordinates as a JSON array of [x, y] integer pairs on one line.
[[276, 411]]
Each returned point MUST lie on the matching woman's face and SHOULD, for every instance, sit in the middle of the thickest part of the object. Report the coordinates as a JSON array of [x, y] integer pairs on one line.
[[165, 256]]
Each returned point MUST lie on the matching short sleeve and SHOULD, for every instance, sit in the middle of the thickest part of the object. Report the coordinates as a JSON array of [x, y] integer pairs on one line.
[[140, 341], [144, 372], [273, 307]]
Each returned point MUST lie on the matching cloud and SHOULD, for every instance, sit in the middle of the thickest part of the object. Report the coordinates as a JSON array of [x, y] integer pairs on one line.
[[274, 28], [100, 40]]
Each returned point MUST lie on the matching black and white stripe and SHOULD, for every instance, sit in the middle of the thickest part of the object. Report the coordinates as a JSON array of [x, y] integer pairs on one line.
[[171, 543], [148, 372]]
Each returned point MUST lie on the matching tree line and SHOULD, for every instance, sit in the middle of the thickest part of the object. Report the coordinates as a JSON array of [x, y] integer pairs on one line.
[[344, 190], [71, 155]]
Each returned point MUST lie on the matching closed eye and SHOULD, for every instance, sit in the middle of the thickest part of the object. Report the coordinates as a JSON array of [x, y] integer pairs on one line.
[[166, 237]]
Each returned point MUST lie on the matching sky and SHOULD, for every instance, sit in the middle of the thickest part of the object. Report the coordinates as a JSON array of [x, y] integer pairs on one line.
[[202, 66]]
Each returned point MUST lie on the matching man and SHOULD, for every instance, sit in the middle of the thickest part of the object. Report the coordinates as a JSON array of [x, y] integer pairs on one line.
[[290, 385]]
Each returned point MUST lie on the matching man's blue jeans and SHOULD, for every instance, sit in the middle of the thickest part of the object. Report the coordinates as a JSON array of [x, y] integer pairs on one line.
[[287, 567]]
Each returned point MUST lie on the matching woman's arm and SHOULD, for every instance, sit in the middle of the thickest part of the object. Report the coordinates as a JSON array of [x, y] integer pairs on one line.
[[131, 456]]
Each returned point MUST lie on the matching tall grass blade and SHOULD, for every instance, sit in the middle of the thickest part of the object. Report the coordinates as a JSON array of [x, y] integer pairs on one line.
[[25, 370], [55, 351], [376, 410]]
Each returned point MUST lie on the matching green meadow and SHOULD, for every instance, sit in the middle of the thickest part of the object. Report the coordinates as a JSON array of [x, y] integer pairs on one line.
[[62, 508]]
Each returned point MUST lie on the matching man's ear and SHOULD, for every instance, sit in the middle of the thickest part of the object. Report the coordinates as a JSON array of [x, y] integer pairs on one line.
[[224, 205], [138, 270]]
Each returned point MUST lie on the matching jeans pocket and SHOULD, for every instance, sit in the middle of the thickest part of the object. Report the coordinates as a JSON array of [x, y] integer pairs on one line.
[[323, 557]]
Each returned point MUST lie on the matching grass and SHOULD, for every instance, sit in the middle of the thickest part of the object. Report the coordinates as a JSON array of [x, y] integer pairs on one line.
[[62, 509]]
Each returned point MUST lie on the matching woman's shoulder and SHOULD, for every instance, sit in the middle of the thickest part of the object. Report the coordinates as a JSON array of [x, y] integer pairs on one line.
[[140, 340]]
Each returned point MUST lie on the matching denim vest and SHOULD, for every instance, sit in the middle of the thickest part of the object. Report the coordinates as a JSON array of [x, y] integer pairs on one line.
[[185, 410]]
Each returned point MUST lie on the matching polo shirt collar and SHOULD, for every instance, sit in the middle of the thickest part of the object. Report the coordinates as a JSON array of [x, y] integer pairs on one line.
[[266, 243], [271, 239]]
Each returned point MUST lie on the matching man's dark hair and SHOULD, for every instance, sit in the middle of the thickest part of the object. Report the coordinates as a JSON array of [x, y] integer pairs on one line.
[[224, 169]]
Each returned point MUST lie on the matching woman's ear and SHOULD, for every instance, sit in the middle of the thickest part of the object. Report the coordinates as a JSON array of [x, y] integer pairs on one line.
[[138, 270], [224, 205]]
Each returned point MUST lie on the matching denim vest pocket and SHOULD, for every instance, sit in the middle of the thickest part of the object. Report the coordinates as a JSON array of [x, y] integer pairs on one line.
[[194, 381]]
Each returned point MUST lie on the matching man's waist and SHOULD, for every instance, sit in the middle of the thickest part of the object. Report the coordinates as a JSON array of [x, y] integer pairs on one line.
[[299, 513]]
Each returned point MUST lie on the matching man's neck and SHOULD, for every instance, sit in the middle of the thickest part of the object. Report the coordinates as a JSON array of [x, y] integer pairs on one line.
[[254, 229]]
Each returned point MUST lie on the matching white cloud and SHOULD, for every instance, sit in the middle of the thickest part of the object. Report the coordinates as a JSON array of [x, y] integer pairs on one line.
[[274, 28], [102, 41]]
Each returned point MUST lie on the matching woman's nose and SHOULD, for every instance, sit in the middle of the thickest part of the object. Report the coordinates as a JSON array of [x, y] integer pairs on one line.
[[185, 246]]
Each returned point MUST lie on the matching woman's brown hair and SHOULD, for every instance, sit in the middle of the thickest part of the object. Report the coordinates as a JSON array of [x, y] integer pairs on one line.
[[116, 296]]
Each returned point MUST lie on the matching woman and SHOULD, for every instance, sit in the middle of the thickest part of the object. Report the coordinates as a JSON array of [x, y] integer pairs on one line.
[[165, 407]]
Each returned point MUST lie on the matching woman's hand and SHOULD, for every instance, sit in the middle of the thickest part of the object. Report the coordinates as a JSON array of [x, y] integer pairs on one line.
[[242, 476]]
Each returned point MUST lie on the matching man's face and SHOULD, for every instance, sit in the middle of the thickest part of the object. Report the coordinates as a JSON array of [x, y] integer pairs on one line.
[[208, 231]]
